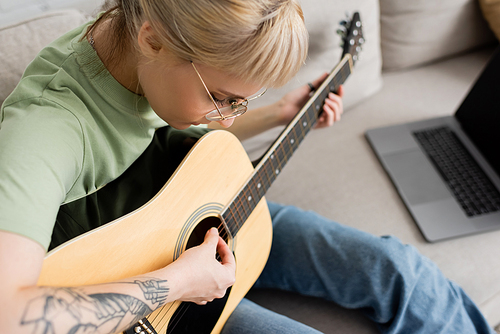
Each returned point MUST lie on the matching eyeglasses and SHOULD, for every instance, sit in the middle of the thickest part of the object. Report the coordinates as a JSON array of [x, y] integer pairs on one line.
[[237, 108]]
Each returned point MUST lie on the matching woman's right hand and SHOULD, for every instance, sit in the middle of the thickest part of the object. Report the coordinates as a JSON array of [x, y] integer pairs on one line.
[[203, 278]]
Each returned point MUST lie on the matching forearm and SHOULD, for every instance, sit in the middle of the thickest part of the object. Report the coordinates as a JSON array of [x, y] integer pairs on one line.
[[196, 276], [102, 308]]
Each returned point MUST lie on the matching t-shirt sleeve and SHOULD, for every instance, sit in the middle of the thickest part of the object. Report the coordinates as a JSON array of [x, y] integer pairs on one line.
[[41, 156]]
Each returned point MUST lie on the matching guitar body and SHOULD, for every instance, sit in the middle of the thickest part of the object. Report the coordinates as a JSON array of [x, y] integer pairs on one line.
[[155, 235]]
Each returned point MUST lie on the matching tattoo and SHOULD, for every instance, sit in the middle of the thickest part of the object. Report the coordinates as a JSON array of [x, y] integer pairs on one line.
[[69, 311], [154, 290]]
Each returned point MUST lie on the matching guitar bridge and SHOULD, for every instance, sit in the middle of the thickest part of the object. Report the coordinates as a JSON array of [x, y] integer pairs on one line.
[[141, 327]]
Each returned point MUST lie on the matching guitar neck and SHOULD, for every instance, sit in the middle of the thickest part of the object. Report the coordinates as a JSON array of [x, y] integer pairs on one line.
[[273, 161]]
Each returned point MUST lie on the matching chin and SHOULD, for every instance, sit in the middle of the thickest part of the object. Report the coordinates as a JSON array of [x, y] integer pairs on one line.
[[179, 126]]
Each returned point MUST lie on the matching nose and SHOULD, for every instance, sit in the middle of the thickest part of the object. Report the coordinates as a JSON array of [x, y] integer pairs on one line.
[[226, 123]]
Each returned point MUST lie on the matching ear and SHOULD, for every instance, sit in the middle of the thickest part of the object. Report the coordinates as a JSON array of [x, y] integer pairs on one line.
[[148, 40]]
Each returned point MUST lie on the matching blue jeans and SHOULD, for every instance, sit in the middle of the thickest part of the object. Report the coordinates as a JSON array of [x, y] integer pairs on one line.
[[391, 283]]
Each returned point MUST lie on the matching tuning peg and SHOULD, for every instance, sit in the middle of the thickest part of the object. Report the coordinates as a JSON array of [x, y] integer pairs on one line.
[[342, 31], [361, 41]]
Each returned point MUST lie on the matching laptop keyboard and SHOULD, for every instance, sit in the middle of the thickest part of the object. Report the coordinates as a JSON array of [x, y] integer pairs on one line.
[[469, 184]]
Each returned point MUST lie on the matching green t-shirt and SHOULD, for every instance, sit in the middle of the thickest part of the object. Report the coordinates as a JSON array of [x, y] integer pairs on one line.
[[67, 130]]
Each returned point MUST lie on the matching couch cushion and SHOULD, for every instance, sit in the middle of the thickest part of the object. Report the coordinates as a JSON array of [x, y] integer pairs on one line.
[[491, 12], [19, 43], [13, 11], [420, 31], [322, 19]]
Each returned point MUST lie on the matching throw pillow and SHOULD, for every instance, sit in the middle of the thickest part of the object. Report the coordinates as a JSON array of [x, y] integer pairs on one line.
[[421, 31]]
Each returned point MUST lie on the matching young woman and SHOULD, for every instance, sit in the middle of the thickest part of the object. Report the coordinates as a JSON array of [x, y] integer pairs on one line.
[[89, 105]]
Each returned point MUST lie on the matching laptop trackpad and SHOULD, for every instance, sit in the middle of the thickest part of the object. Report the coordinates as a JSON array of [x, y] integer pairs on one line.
[[415, 177]]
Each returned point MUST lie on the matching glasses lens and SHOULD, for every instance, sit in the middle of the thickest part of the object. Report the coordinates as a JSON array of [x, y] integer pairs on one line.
[[227, 112]]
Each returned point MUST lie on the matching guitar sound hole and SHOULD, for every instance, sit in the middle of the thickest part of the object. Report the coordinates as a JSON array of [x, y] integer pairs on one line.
[[198, 235]]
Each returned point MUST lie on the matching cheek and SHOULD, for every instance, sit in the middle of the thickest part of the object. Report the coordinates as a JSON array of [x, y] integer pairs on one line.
[[174, 100], [175, 105]]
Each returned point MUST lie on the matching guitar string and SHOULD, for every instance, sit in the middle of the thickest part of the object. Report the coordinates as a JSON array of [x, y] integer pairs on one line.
[[176, 317], [221, 228], [164, 310]]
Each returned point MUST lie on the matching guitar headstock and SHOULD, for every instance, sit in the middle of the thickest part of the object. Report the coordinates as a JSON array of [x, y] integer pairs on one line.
[[351, 33]]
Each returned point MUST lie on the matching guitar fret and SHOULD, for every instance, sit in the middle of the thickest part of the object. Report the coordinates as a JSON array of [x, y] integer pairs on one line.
[[232, 223], [261, 186], [270, 168], [253, 197], [285, 147], [263, 170], [281, 157], [239, 209], [244, 203], [294, 140], [274, 164]]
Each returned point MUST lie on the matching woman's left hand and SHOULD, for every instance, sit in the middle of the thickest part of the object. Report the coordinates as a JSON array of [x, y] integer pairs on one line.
[[292, 102]]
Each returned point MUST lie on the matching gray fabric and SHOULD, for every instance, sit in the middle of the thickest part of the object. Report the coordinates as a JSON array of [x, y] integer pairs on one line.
[[414, 32], [13, 11], [19, 43]]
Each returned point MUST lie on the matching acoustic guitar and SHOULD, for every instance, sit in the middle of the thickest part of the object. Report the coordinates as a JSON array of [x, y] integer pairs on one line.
[[214, 184]]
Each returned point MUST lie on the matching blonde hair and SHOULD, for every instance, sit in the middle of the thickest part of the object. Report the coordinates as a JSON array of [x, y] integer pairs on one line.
[[261, 41]]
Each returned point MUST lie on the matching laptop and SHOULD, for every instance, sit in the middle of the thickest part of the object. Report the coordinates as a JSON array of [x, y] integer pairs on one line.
[[447, 169]]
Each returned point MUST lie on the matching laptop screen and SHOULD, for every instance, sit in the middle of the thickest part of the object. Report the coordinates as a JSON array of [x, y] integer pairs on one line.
[[479, 114]]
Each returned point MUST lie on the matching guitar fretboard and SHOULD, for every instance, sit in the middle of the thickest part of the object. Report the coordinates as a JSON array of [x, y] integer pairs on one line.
[[272, 163]]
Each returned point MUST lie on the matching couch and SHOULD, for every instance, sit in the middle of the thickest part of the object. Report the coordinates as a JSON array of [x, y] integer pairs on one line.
[[419, 60]]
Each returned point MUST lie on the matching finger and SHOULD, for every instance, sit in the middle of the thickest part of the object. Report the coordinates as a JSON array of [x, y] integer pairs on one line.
[[335, 102], [326, 118], [330, 112], [335, 108], [225, 253], [334, 112], [317, 82], [212, 237], [340, 91]]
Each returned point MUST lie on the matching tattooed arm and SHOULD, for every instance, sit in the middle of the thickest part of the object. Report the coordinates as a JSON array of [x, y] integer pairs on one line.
[[103, 308]]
